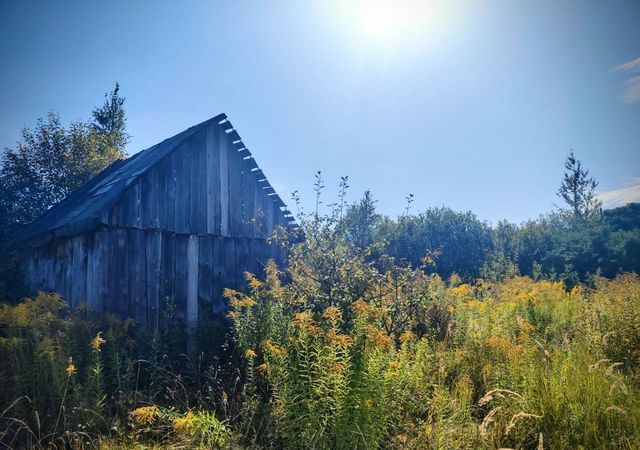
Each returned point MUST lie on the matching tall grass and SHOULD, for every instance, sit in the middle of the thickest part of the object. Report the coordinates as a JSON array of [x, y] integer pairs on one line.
[[339, 349]]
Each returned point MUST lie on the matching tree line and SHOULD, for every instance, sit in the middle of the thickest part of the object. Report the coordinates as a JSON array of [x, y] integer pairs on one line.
[[571, 244]]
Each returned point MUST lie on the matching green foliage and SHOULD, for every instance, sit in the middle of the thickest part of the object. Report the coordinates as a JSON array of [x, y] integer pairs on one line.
[[414, 363], [578, 190], [462, 241], [46, 165]]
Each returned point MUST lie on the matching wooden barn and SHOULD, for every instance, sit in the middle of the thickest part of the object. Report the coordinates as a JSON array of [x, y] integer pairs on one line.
[[168, 228]]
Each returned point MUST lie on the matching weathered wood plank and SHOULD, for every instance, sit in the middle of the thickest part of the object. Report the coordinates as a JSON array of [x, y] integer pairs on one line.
[[242, 262], [138, 276], [170, 192], [181, 192], [79, 273], [229, 263], [249, 185], [235, 194], [205, 273], [192, 280], [213, 186], [218, 273], [199, 182], [153, 250], [118, 274], [167, 279], [224, 183], [180, 283]]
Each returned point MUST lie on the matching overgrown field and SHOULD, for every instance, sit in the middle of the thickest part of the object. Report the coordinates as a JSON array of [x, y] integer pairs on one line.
[[338, 350]]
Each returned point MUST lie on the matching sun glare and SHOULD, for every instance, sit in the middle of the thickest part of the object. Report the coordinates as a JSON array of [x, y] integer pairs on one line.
[[379, 22]]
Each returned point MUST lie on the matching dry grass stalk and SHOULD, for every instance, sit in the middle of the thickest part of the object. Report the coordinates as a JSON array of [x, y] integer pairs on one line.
[[516, 418], [500, 393], [484, 426]]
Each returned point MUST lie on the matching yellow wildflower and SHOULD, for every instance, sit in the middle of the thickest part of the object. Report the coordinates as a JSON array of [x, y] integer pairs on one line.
[[97, 342], [377, 337], [71, 368], [263, 367], [181, 424], [393, 364], [145, 415], [254, 282], [341, 339], [249, 354], [360, 306], [476, 304], [274, 349], [407, 336], [464, 290], [332, 314]]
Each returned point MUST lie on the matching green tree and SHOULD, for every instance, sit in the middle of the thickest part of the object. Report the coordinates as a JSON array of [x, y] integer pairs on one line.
[[578, 189], [462, 241], [361, 220], [47, 164], [110, 122]]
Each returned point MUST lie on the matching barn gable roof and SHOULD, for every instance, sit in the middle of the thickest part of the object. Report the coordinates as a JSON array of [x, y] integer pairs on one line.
[[84, 209]]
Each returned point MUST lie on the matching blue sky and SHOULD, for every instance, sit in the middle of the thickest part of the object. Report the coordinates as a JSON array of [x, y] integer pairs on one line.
[[470, 104]]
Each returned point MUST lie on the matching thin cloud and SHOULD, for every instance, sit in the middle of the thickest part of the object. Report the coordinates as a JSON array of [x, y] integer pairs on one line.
[[631, 93], [633, 66], [622, 196]]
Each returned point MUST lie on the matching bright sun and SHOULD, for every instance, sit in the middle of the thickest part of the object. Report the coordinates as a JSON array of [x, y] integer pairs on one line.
[[379, 22]]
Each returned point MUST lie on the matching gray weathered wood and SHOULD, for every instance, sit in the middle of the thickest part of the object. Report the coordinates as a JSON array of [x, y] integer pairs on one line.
[[192, 280], [164, 232]]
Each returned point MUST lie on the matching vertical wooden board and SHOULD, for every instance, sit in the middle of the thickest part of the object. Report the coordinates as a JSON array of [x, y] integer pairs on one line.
[[224, 149], [230, 263], [255, 248], [180, 192], [79, 286], [170, 192], [137, 276], [270, 216], [118, 302], [167, 279], [67, 268], [161, 190], [180, 270], [205, 270], [218, 254], [154, 209], [136, 194], [59, 267], [133, 216], [213, 183], [192, 280], [249, 185], [258, 212], [187, 185], [126, 208], [92, 294], [243, 263], [146, 199], [153, 250], [101, 272], [235, 192], [198, 183], [123, 206], [256, 259]]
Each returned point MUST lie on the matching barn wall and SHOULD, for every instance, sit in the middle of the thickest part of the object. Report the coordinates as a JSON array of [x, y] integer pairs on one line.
[[207, 186], [141, 273]]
